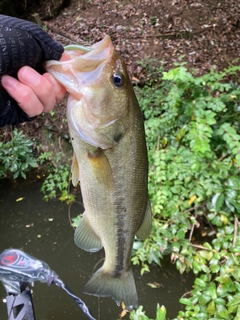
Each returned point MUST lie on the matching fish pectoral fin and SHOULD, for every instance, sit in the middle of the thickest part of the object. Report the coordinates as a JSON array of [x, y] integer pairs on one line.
[[85, 237], [75, 170], [120, 289], [146, 227], [101, 168]]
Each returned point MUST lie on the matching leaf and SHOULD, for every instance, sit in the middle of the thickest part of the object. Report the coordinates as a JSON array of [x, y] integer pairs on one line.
[[217, 201], [204, 298], [19, 199], [181, 234], [155, 256], [185, 301], [212, 290], [199, 282], [211, 308], [206, 254], [138, 314], [124, 311], [154, 285], [234, 303], [191, 200], [161, 313], [220, 301], [230, 207], [224, 219], [222, 311], [76, 220]]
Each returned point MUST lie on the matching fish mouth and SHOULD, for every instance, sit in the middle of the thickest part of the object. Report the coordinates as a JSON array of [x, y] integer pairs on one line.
[[87, 65], [89, 58]]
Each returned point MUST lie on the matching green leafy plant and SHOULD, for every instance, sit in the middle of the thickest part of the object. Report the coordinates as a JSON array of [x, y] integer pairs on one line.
[[76, 220], [193, 136], [16, 156], [57, 181], [216, 290], [139, 314]]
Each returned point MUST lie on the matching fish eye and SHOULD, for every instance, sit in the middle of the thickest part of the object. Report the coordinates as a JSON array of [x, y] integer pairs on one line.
[[118, 79]]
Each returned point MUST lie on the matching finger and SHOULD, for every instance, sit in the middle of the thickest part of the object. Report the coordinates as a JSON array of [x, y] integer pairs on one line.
[[58, 89], [24, 96], [65, 57], [40, 85]]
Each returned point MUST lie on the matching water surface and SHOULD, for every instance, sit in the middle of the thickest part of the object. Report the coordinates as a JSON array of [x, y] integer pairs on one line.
[[42, 229]]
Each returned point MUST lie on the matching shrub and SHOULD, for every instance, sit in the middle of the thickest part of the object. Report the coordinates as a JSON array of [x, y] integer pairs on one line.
[[16, 156], [193, 137], [57, 181]]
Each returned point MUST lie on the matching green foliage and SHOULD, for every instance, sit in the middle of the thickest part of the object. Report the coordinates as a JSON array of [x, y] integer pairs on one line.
[[193, 136], [57, 181], [139, 314], [16, 156], [76, 220], [216, 290]]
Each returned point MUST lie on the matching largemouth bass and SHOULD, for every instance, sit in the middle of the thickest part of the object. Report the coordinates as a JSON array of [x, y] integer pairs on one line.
[[110, 161]]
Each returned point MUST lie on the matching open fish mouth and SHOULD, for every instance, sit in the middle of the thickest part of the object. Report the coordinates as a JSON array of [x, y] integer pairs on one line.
[[83, 78], [89, 58]]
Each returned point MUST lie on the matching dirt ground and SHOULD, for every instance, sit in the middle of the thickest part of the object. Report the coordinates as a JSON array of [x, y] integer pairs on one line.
[[203, 33]]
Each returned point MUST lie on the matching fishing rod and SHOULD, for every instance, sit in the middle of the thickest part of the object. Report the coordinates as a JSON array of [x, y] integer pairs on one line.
[[18, 271]]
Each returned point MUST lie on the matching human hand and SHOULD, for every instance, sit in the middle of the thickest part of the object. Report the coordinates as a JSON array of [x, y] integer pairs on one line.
[[34, 93], [25, 44]]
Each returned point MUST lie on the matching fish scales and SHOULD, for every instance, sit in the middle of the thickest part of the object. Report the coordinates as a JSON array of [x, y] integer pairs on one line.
[[110, 161], [125, 195]]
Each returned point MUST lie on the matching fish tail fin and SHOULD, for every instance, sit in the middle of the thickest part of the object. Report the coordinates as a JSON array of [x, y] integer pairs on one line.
[[120, 289]]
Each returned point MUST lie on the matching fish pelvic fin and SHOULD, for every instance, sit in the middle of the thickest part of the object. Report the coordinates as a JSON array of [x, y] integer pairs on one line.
[[75, 170], [120, 289], [146, 227], [85, 237]]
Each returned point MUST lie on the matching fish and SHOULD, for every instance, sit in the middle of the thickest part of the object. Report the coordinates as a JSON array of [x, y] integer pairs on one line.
[[110, 161]]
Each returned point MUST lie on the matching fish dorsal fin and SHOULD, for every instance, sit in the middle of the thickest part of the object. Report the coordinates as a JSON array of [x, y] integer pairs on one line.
[[85, 237], [75, 170], [145, 229]]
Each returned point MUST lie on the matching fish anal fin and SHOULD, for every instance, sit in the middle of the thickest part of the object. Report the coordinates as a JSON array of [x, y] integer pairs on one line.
[[145, 229], [120, 289], [85, 237], [75, 170]]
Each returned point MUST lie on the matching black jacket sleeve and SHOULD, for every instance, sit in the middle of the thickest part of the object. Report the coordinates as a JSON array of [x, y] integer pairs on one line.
[[22, 43]]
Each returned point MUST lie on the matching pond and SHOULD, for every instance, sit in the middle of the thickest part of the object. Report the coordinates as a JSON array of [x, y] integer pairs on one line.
[[43, 230]]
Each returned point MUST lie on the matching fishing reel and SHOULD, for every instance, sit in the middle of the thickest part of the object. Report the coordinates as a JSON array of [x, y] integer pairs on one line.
[[18, 271], [17, 267]]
